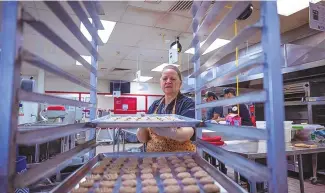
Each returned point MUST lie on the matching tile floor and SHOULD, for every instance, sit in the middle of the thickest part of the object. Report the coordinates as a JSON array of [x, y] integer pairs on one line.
[[293, 183]]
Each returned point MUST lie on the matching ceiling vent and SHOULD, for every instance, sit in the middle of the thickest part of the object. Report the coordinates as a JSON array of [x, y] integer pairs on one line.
[[153, 1], [181, 6], [119, 70]]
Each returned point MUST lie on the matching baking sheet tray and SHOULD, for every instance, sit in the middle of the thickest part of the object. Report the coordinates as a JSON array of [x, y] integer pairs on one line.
[[79, 176], [103, 122]]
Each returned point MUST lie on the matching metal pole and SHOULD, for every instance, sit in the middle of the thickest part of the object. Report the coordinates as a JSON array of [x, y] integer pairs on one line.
[[93, 96], [301, 174], [197, 83], [274, 110], [10, 83]]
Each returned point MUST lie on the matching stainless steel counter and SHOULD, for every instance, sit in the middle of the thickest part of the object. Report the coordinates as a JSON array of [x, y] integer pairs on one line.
[[257, 149]]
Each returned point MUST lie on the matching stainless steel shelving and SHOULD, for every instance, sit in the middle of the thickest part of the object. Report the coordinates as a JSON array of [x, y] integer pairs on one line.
[[14, 17], [271, 61]]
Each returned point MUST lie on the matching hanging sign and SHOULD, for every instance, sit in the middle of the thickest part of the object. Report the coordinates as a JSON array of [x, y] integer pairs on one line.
[[173, 56], [317, 16], [116, 94]]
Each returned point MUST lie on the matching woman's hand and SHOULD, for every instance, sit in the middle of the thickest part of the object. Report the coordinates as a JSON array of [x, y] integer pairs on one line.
[[143, 135], [179, 134]]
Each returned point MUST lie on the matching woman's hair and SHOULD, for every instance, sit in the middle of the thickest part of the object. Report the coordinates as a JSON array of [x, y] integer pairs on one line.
[[172, 67]]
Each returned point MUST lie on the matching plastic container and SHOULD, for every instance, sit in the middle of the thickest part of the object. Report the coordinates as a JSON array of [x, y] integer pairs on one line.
[[21, 167], [287, 129], [304, 131]]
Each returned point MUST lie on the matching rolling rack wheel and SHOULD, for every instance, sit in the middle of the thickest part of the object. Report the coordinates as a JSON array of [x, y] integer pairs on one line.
[[313, 180]]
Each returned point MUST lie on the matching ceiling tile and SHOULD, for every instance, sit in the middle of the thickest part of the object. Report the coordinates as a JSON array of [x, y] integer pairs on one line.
[[127, 34], [174, 22], [113, 10], [158, 6], [148, 55], [140, 16], [156, 38], [114, 51], [109, 63]]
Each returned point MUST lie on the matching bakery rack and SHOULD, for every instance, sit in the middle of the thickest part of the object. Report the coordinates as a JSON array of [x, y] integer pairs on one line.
[[14, 17], [270, 61]]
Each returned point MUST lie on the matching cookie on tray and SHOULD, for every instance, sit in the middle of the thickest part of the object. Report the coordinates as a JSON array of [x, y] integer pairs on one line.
[[87, 184], [206, 180], [112, 171], [129, 183], [166, 176], [149, 182], [183, 175], [191, 165], [146, 176], [111, 176], [192, 189], [187, 161], [94, 177], [133, 159], [172, 189], [172, 157], [180, 165], [200, 174], [107, 184], [187, 157], [130, 170], [170, 181], [80, 190], [127, 190], [196, 169], [146, 171], [98, 170], [176, 161], [211, 188], [150, 189], [103, 190], [180, 169], [165, 170], [142, 166], [147, 160], [189, 181], [128, 177]]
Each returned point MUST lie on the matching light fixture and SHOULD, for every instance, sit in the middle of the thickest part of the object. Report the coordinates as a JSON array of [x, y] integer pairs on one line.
[[216, 44], [287, 7], [162, 66], [103, 34], [87, 58], [108, 95], [143, 79]]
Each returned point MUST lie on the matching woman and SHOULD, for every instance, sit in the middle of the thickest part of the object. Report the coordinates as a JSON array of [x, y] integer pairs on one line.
[[173, 102]]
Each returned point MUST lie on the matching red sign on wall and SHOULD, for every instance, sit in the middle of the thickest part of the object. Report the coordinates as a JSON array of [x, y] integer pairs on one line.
[[125, 105]]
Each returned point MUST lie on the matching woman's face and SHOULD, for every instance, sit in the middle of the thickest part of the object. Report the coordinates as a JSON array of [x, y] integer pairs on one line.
[[170, 82]]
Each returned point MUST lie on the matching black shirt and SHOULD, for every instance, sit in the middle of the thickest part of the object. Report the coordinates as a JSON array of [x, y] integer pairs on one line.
[[214, 110], [243, 113], [184, 106]]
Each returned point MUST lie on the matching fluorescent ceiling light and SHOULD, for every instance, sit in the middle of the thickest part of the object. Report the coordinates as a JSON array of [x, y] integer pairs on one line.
[[289, 7], [162, 66], [108, 95], [216, 44], [87, 58], [143, 78], [103, 34]]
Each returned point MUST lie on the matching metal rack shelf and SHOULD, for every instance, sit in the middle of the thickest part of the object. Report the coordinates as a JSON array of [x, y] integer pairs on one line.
[[13, 54], [270, 61]]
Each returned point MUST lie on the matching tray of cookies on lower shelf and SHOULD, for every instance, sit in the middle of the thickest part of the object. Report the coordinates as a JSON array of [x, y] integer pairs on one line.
[[153, 120], [128, 173]]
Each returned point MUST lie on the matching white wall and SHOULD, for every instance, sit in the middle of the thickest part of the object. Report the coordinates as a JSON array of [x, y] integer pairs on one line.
[[59, 84], [153, 88]]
